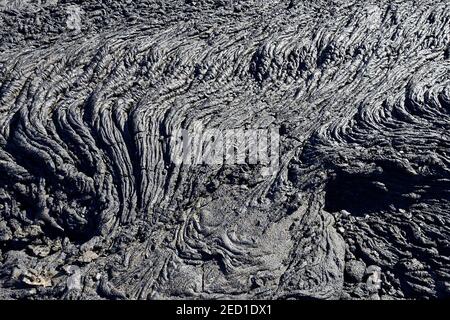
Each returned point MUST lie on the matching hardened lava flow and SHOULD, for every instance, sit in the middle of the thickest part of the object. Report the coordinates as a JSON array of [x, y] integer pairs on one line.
[[92, 206]]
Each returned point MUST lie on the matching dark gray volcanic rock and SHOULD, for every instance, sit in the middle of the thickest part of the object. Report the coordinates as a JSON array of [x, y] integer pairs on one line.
[[92, 205]]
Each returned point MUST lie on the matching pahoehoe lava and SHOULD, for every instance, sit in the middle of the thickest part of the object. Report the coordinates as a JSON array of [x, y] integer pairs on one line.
[[91, 205]]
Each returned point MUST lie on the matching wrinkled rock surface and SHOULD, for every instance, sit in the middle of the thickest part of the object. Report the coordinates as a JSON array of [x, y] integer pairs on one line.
[[91, 205]]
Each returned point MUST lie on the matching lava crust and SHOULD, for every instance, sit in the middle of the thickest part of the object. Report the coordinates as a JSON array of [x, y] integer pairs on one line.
[[93, 205]]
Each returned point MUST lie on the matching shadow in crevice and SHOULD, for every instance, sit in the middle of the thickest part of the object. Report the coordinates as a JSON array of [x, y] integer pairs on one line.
[[360, 195]]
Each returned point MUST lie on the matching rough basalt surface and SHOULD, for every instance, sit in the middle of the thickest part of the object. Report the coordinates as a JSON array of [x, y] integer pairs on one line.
[[91, 205]]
